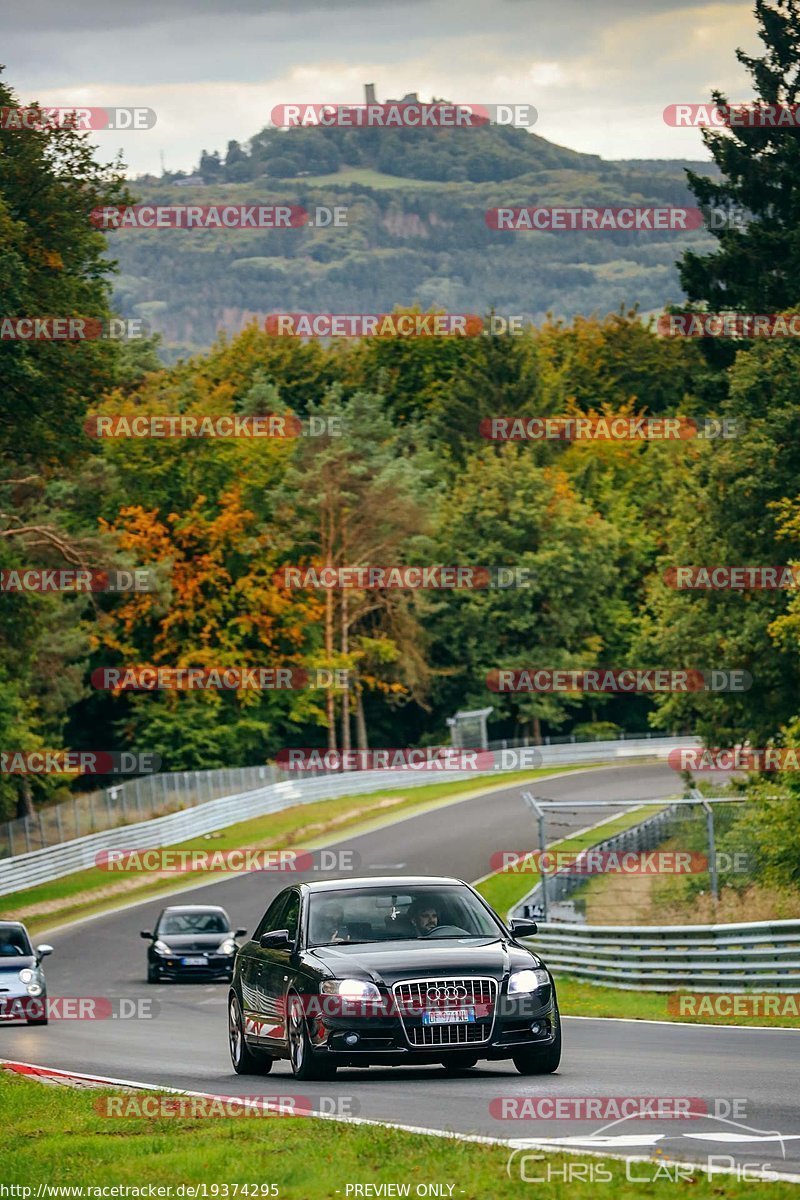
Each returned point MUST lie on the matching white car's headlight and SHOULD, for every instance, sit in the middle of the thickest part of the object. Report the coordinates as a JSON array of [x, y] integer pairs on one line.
[[228, 947], [354, 989], [27, 975], [161, 947], [34, 989], [527, 981]]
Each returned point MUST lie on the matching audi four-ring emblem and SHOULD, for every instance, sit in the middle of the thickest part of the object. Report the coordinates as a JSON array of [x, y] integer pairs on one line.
[[446, 994]]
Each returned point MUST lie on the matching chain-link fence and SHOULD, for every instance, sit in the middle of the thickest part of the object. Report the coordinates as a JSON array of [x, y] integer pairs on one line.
[[675, 865], [150, 796]]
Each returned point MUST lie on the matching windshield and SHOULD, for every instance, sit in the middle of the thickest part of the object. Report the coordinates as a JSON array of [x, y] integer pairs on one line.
[[389, 913], [14, 944], [196, 922]]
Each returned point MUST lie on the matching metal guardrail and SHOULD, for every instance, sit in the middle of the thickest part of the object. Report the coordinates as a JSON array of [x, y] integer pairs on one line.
[[730, 958], [51, 862], [149, 796], [652, 958]]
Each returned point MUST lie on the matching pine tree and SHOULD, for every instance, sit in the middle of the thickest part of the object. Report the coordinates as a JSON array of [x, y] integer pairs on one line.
[[757, 265]]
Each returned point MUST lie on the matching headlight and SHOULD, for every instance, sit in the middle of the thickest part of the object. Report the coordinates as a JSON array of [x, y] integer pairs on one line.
[[26, 975], [527, 981], [228, 947], [161, 947], [34, 989], [354, 989]]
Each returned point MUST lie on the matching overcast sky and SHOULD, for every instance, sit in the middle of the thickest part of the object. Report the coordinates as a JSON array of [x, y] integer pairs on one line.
[[600, 72]]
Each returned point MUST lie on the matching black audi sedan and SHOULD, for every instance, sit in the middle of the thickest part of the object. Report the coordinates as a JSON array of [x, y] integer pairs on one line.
[[390, 971], [191, 940]]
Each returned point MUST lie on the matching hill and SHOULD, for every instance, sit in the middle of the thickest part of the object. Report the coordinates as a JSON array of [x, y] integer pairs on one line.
[[409, 238]]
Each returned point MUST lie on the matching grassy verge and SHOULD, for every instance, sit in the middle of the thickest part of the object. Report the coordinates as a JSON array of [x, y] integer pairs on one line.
[[506, 888], [580, 999], [577, 998], [303, 825], [59, 1138]]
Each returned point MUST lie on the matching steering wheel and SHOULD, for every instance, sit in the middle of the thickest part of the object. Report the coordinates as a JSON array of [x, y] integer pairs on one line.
[[447, 931]]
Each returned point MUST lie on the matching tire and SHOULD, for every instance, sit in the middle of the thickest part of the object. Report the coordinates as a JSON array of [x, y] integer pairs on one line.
[[37, 1021], [533, 1061], [459, 1063], [305, 1063], [245, 1061], [153, 973]]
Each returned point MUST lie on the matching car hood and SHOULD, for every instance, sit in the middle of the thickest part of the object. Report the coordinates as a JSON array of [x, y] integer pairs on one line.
[[386, 963], [179, 942], [13, 966]]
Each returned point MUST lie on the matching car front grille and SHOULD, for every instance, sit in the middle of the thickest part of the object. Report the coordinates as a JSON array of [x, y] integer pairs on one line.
[[413, 996]]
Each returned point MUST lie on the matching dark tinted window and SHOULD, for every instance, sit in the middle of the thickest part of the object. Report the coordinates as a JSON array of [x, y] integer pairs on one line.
[[271, 918], [202, 922], [14, 943], [291, 915]]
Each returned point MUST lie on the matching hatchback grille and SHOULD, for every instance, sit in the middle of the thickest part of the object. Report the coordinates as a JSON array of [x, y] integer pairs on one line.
[[413, 996]]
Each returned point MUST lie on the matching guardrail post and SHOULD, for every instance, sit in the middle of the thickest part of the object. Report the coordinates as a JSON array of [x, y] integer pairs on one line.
[[532, 803], [10, 828], [712, 853]]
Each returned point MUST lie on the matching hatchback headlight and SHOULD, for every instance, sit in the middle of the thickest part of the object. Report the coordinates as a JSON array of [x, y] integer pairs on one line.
[[27, 975], [354, 989], [527, 981], [161, 947], [228, 947], [34, 989]]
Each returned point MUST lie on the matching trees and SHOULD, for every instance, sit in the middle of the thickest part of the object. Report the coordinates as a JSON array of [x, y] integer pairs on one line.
[[755, 268]]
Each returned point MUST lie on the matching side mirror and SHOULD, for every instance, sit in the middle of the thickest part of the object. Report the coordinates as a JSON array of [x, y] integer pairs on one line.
[[523, 928], [240, 933], [43, 950], [276, 939], [145, 933]]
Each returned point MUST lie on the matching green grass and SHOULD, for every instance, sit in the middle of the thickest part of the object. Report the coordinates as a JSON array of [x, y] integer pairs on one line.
[[506, 888], [59, 1138], [367, 177], [307, 826], [580, 999], [576, 998]]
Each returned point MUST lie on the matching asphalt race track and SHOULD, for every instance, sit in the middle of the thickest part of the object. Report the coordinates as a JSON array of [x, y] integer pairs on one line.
[[185, 1044]]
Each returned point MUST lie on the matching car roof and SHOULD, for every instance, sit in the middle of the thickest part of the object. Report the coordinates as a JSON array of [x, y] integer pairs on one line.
[[12, 925], [372, 881]]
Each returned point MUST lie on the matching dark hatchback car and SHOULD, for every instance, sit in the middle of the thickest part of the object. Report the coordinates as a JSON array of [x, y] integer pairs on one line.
[[391, 971], [23, 989], [191, 941]]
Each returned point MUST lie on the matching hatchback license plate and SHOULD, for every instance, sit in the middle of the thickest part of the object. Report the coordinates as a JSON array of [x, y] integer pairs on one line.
[[448, 1016], [194, 962]]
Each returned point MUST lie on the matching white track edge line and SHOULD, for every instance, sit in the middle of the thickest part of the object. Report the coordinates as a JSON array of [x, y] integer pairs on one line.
[[449, 1134]]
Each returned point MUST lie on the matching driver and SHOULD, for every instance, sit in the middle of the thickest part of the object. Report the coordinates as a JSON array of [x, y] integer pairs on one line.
[[424, 916]]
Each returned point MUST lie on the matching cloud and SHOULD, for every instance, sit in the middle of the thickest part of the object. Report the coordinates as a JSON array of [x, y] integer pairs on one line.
[[600, 74]]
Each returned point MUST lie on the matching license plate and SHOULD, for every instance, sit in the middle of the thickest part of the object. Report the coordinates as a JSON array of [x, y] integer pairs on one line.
[[194, 962], [448, 1016]]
